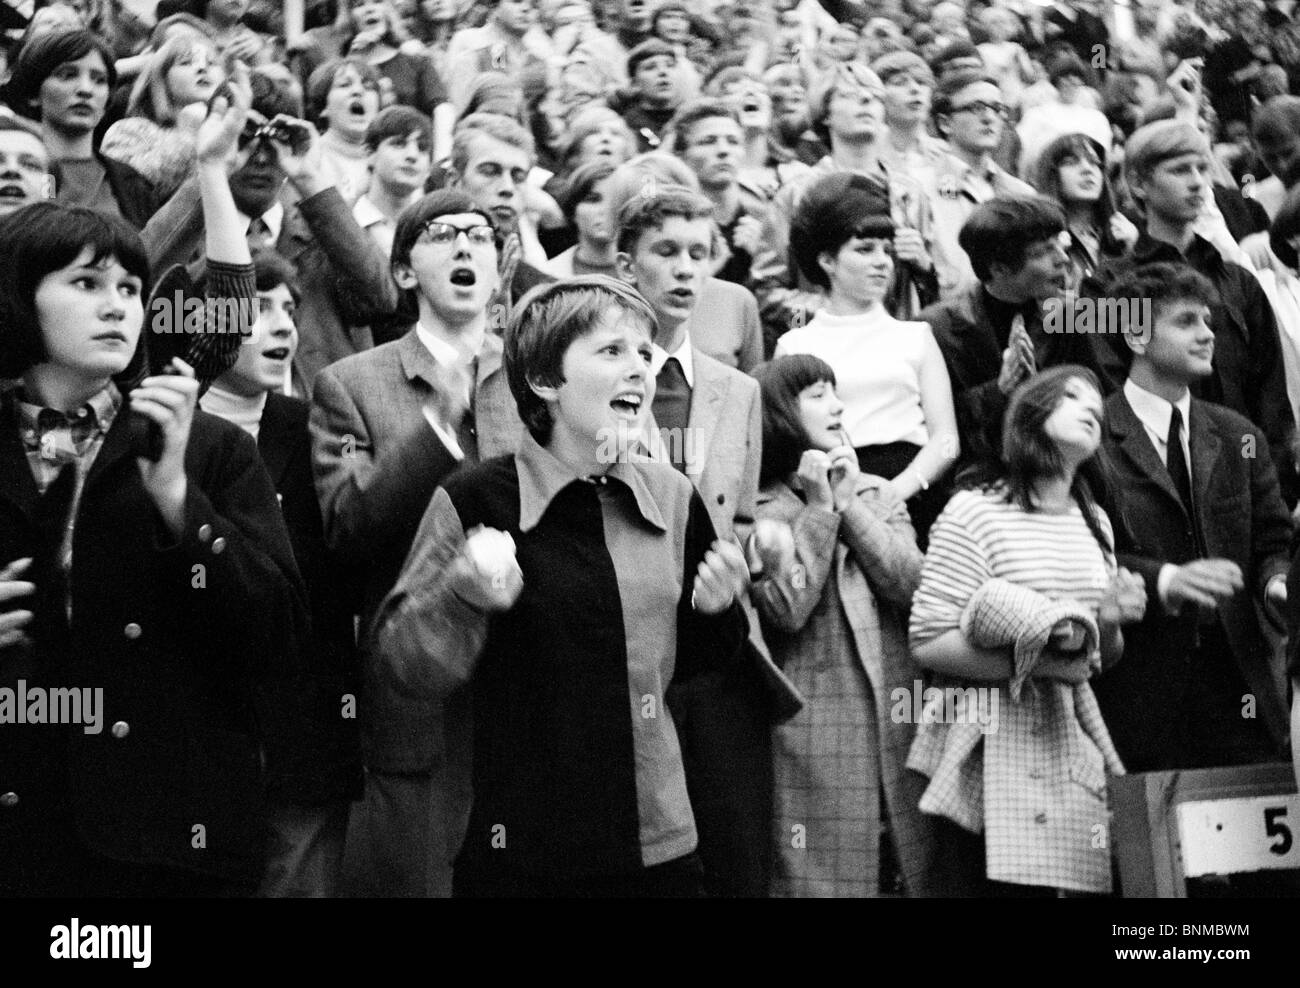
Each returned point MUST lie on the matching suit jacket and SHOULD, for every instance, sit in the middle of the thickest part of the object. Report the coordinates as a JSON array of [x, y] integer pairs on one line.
[[312, 746], [724, 721], [972, 349], [175, 632], [1249, 375], [377, 463], [345, 279], [1242, 517], [724, 324]]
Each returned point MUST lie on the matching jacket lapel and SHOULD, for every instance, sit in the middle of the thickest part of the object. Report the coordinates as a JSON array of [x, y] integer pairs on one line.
[[1205, 443], [17, 485], [707, 397], [1132, 440], [270, 442]]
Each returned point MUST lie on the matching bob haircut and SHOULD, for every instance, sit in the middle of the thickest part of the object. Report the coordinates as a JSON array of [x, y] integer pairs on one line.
[[784, 437], [1063, 149], [271, 269], [150, 96], [38, 60], [581, 182], [443, 202], [641, 213], [819, 99], [1029, 455], [1003, 229], [36, 241], [587, 121], [322, 81], [545, 324], [399, 121]]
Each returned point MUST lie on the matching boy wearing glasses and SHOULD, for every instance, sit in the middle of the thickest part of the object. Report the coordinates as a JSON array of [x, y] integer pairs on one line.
[[969, 113], [388, 425]]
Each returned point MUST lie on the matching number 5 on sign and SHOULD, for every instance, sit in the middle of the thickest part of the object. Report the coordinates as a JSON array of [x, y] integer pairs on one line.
[[1232, 836]]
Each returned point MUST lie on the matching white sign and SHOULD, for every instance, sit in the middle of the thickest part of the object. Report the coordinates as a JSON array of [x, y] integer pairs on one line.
[[1234, 836]]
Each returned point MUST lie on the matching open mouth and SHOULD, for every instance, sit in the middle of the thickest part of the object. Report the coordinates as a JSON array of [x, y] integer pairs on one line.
[[12, 193], [463, 277], [357, 108], [628, 403], [750, 106], [682, 296], [276, 353]]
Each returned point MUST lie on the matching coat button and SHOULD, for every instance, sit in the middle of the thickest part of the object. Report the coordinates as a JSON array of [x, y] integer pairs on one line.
[[9, 799], [121, 729], [218, 546], [133, 631], [1040, 818], [205, 533], [722, 499]]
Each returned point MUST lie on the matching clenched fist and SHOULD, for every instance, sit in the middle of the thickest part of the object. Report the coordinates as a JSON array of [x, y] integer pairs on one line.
[[486, 575]]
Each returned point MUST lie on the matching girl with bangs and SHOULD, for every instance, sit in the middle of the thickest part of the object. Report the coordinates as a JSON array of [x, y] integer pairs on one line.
[[1020, 603], [162, 587], [839, 567], [168, 103], [1072, 173]]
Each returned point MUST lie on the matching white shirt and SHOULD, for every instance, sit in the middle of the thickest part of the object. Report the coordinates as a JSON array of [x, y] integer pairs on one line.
[[659, 356], [273, 218], [877, 361], [1154, 413], [375, 223], [445, 355]]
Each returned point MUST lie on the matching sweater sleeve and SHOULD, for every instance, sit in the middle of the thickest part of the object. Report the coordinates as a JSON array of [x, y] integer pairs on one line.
[[955, 567]]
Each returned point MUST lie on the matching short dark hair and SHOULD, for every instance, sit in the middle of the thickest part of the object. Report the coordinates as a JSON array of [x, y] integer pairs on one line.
[[941, 103], [1003, 229], [272, 269], [784, 437], [952, 52], [38, 240], [649, 212], [274, 94], [691, 113], [398, 121], [647, 50], [45, 53], [443, 202], [544, 325], [322, 79], [835, 209], [1163, 283]]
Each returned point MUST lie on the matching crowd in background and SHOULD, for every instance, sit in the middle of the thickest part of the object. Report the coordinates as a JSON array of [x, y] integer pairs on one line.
[[974, 327]]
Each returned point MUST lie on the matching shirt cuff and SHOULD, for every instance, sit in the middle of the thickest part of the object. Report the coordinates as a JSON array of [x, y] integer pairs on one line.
[[1163, 580]]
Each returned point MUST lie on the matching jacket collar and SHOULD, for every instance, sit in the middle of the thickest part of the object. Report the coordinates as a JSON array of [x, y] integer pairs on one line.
[[1200, 253], [542, 477], [418, 362]]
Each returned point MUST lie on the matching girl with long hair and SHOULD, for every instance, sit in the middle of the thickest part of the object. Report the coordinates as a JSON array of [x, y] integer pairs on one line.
[[1021, 601], [1072, 172]]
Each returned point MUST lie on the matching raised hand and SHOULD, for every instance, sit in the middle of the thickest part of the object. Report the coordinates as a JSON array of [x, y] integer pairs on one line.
[[721, 578], [486, 574], [814, 477]]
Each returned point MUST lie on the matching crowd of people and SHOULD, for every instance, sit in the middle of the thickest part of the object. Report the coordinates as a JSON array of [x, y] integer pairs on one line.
[[671, 449]]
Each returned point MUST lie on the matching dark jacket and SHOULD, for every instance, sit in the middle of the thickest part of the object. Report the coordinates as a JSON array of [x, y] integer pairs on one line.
[[1242, 518], [136, 196], [1248, 376], [972, 348], [175, 632], [309, 721]]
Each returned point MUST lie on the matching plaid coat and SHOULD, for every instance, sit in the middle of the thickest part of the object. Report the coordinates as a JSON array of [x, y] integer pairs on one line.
[[1036, 784], [836, 623]]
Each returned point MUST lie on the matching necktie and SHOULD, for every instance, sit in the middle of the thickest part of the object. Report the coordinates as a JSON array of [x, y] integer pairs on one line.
[[672, 409], [1176, 461], [259, 235]]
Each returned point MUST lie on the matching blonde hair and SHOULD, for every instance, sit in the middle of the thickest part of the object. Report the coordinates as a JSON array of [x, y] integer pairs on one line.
[[150, 97]]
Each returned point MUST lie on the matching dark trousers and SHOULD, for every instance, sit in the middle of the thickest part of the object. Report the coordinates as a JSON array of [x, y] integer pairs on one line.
[[682, 878], [888, 460]]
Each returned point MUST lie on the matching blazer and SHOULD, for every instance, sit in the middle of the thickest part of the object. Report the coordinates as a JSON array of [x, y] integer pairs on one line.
[[377, 463], [724, 324], [309, 729], [175, 631], [1242, 517], [972, 349]]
